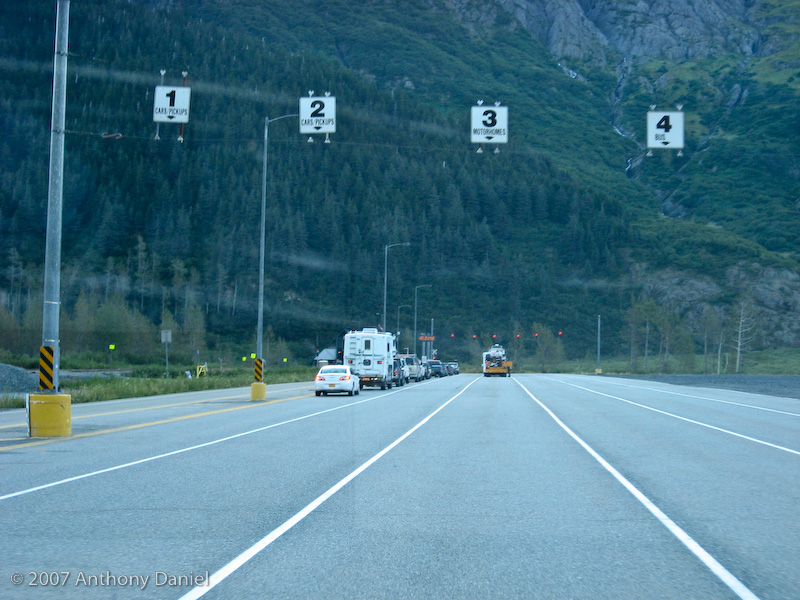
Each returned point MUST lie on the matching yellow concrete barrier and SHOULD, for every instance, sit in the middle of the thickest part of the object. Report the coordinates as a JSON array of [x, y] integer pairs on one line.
[[258, 391], [49, 415]]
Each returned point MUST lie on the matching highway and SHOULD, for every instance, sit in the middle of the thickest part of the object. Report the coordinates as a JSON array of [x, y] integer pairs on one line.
[[535, 486]]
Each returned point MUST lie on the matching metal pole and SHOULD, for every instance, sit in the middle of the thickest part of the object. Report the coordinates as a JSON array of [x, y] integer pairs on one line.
[[386, 275], [433, 335], [262, 251], [180, 134], [262, 248], [598, 344], [398, 316], [158, 123], [385, 281], [416, 288], [52, 259]]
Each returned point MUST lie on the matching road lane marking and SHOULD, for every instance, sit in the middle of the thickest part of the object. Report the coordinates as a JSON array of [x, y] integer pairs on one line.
[[753, 406], [669, 414], [119, 412], [223, 573], [132, 410], [190, 448], [695, 548], [148, 424]]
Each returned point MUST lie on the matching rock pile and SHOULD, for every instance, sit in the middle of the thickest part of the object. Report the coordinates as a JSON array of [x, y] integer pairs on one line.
[[16, 380]]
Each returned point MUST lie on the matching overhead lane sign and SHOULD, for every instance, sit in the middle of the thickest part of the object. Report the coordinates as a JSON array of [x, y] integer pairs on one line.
[[665, 129], [318, 114], [489, 124], [171, 104]]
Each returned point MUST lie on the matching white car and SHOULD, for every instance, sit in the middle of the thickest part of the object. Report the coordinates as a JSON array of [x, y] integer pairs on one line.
[[336, 378]]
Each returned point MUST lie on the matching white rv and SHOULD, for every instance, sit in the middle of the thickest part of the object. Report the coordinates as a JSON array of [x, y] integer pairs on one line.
[[370, 354]]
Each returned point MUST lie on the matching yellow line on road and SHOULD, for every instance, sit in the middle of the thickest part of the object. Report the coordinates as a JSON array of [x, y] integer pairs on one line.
[[150, 424], [131, 410]]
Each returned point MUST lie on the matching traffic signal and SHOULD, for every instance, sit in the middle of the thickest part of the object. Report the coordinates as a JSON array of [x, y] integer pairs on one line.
[[474, 336], [518, 336]]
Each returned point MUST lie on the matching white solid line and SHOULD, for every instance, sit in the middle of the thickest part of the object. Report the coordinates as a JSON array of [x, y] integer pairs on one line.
[[721, 572], [669, 414], [239, 561], [663, 391], [182, 450]]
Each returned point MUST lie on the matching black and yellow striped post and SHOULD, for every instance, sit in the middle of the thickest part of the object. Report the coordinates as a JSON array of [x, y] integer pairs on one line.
[[46, 363], [258, 389], [49, 414]]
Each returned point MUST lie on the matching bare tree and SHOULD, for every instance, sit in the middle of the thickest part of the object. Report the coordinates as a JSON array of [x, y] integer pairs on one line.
[[746, 331], [712, 323], [639, 319]]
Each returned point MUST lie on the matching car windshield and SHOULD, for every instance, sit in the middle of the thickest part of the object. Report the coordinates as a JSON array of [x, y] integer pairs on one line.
[[333, 370]]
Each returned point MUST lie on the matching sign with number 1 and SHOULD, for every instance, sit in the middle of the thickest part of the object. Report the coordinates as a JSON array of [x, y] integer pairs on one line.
[[171, 104]]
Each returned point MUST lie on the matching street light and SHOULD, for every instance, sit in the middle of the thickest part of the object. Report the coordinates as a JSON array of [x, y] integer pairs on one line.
[[260, 333], [415, 312], [386, 274], [398, 315]]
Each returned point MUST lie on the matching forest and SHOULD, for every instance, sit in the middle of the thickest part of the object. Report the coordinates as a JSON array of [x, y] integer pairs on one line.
[[545, 235]]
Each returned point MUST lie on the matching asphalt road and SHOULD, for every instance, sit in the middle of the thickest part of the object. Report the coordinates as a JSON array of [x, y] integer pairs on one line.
[[534, 486]]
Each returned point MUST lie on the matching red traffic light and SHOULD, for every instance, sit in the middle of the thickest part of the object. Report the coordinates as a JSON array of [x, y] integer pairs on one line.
[[517, 335], [474, 336], [560, 332], [452, 335], [494, 335], [535, 335]]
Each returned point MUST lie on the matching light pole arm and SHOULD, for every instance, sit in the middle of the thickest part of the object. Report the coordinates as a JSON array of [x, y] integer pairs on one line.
[[386, 274]]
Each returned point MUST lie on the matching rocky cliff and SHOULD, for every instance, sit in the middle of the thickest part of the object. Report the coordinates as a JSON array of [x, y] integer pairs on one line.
[[594, 30]]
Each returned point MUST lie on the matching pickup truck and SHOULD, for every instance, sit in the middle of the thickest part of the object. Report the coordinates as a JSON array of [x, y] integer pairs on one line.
[[415, 369], [437, 369]]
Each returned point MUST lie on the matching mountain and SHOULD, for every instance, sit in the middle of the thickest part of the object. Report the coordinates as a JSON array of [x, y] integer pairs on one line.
[[570, 220]]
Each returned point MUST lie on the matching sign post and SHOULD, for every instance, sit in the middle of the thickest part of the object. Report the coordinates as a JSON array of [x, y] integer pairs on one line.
[[166, 338]]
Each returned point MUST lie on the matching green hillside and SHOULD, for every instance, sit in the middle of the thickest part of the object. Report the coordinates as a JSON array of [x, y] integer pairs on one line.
[[552, 230]]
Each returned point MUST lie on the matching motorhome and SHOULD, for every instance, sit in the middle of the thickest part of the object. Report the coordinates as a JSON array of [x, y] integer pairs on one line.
[[370, 354]]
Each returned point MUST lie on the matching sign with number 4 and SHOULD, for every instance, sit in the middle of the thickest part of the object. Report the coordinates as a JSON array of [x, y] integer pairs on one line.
[[665, 130]]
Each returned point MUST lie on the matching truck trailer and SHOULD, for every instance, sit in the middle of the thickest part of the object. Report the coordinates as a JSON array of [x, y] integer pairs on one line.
[[495, 363]]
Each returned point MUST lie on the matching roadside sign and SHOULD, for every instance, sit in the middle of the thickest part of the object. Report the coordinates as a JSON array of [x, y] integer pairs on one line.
[[665, 129], [318, 114], [171, 104], [489, 125]]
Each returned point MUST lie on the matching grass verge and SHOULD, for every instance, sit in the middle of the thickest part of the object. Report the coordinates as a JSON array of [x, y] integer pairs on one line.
[[97, 389]]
